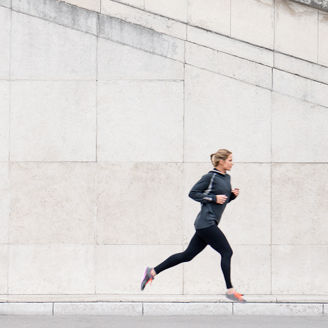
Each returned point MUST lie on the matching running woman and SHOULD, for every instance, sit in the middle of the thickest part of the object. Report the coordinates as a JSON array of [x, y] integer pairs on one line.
[[214, 192]]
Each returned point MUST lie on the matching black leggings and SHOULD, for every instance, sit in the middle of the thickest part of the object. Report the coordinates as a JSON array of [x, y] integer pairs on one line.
[[212, 236]]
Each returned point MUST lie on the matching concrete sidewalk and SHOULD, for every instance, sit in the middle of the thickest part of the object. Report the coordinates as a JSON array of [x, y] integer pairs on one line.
[[162, 321]]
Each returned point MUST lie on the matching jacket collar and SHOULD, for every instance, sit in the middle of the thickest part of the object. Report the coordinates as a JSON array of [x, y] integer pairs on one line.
[[217, 171]]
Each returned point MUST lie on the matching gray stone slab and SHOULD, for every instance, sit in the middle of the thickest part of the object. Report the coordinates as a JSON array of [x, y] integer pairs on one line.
[[290, 265], [232, 66], [300, 67], [3, 249], [131, 117], [278, 309], [140, 37], [122, 62], [222, 110], [98, 308], [289, 37], [26, 308], [253, 21], [4, 218], [299, 87], [53, 218], [70, 321], [160, 23], [42, 50], [5, 3], [4, 119], [66, 111], [51, 269], [230, 46], [297, 126], [322, 42], [187, 309], [5, 21], [150, 206], [288, 216], [60, 13]]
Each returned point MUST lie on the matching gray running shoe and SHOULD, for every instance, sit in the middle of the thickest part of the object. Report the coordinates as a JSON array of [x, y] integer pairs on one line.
[[148, 277], [236, 297]]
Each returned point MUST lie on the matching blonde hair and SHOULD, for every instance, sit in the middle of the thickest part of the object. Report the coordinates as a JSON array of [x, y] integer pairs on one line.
[[221, 154]]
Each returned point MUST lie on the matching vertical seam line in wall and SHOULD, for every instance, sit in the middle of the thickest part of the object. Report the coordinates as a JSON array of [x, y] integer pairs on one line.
[[274, 42], [230, 16], [97, 41], [10, 54], [184, 99], [274, 24], [95, 233], [8, 143], [318, 30], [271, 108], [96, 166], [183, 136]]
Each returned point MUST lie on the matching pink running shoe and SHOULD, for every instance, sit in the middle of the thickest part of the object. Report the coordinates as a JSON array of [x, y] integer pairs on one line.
[[148, 277], [236, 297]]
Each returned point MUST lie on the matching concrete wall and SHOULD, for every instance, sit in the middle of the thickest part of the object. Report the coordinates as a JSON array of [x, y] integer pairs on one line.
[[106, 125], [283, 25]]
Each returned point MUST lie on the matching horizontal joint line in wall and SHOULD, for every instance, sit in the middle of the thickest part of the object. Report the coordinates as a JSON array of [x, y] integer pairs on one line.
[[157, 162], [88, 80]]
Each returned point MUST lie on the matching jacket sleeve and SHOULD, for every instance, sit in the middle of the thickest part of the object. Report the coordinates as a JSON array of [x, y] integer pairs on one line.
[[232, 197], [198, 193]]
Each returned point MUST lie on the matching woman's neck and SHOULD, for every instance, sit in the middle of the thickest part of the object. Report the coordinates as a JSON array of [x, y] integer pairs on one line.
[[221, 170]]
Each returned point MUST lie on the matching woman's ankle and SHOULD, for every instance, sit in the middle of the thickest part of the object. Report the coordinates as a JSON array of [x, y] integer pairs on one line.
[[153, 272]]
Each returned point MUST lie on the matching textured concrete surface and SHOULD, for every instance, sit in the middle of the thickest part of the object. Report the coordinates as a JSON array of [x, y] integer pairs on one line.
[[289, 37], [218, 306], [147, 19], [129, 108], [4, 121], [162, 321]]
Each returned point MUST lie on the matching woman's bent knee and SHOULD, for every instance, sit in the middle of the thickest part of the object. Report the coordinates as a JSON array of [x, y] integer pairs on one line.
[[227, 253]]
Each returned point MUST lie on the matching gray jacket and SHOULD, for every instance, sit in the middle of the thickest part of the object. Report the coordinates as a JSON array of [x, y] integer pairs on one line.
[[204, 191]]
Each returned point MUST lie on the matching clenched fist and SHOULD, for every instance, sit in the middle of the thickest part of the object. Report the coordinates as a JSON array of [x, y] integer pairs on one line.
[[235, 191], [220, 199]]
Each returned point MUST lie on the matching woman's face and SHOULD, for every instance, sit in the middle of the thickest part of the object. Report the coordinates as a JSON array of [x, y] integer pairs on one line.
[[227, 164]]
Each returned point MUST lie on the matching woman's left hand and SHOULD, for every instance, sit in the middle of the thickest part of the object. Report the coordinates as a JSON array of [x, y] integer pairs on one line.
[[235, 191]]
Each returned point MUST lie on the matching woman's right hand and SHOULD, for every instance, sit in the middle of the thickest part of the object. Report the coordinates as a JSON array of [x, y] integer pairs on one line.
[[220, 199]]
